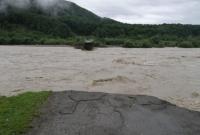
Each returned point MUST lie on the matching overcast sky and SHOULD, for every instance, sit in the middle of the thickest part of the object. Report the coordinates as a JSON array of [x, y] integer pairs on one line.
[[146, 11]]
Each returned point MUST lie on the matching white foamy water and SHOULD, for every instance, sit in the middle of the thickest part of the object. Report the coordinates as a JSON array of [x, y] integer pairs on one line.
[[172, 74]]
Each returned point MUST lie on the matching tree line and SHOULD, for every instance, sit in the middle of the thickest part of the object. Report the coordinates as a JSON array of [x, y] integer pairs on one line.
[[33, 26]]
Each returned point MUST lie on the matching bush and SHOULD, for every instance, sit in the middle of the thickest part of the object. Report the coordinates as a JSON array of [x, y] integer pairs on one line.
[[128, 44], [146, 44], [168, 44], [185, 44], [137, 44], [78, 45], [155, 39], [196, 43], [114, 41], [4, 40], [89, 46]]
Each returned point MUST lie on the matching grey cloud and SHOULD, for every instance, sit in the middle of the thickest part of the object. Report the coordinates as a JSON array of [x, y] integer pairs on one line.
[[20, 4], [45, 4], [129, 11], [146, 11]]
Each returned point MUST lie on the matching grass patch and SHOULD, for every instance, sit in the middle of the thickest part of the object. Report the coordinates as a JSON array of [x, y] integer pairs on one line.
[[17, 112]]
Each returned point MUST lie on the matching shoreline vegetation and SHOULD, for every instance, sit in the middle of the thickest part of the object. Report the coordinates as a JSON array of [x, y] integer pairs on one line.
[[72, 25], [17, 112], [102, 42], [69, 24]]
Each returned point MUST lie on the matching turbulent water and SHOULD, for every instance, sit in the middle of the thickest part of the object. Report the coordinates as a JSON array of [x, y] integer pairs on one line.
[[172, 74]]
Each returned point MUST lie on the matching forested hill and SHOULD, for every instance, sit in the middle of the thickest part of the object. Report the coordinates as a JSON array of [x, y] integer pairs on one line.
[[64, 22], [59, 19]]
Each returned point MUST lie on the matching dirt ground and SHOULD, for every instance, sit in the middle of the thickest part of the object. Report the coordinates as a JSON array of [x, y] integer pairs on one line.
[[172, 74]]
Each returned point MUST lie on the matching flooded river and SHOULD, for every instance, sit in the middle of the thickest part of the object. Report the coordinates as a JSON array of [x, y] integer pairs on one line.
[[172, 74]]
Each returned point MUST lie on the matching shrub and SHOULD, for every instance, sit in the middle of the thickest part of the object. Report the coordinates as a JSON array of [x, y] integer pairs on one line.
[[185, 44], [114, 41], [168, 44], [146, 44], [88, 46], [128, 44], [196, 43], [3, 40], [155, 40]]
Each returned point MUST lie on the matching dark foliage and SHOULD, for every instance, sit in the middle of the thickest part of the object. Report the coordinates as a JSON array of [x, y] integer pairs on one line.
[[64, 24]]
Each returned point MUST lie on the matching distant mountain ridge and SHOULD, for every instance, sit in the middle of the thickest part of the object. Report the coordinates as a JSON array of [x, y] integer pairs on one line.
[[34, 16], [37, 21]]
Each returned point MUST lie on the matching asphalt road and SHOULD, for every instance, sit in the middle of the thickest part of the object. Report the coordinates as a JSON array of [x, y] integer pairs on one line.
[[82, 113]]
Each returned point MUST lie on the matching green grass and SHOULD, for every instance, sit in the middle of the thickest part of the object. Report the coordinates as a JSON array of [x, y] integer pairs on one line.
[[16, 113]]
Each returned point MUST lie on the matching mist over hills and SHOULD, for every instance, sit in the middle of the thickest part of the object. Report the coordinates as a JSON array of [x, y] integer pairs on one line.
[[43, 16], [42, 21], [25, 4], [47, 7]]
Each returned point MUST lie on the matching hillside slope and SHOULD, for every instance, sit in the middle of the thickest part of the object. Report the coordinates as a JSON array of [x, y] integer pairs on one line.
[[49, 20], [36, 22]]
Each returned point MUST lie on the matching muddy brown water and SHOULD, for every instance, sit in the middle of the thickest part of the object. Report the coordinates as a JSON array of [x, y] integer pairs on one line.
[[172, 74]]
